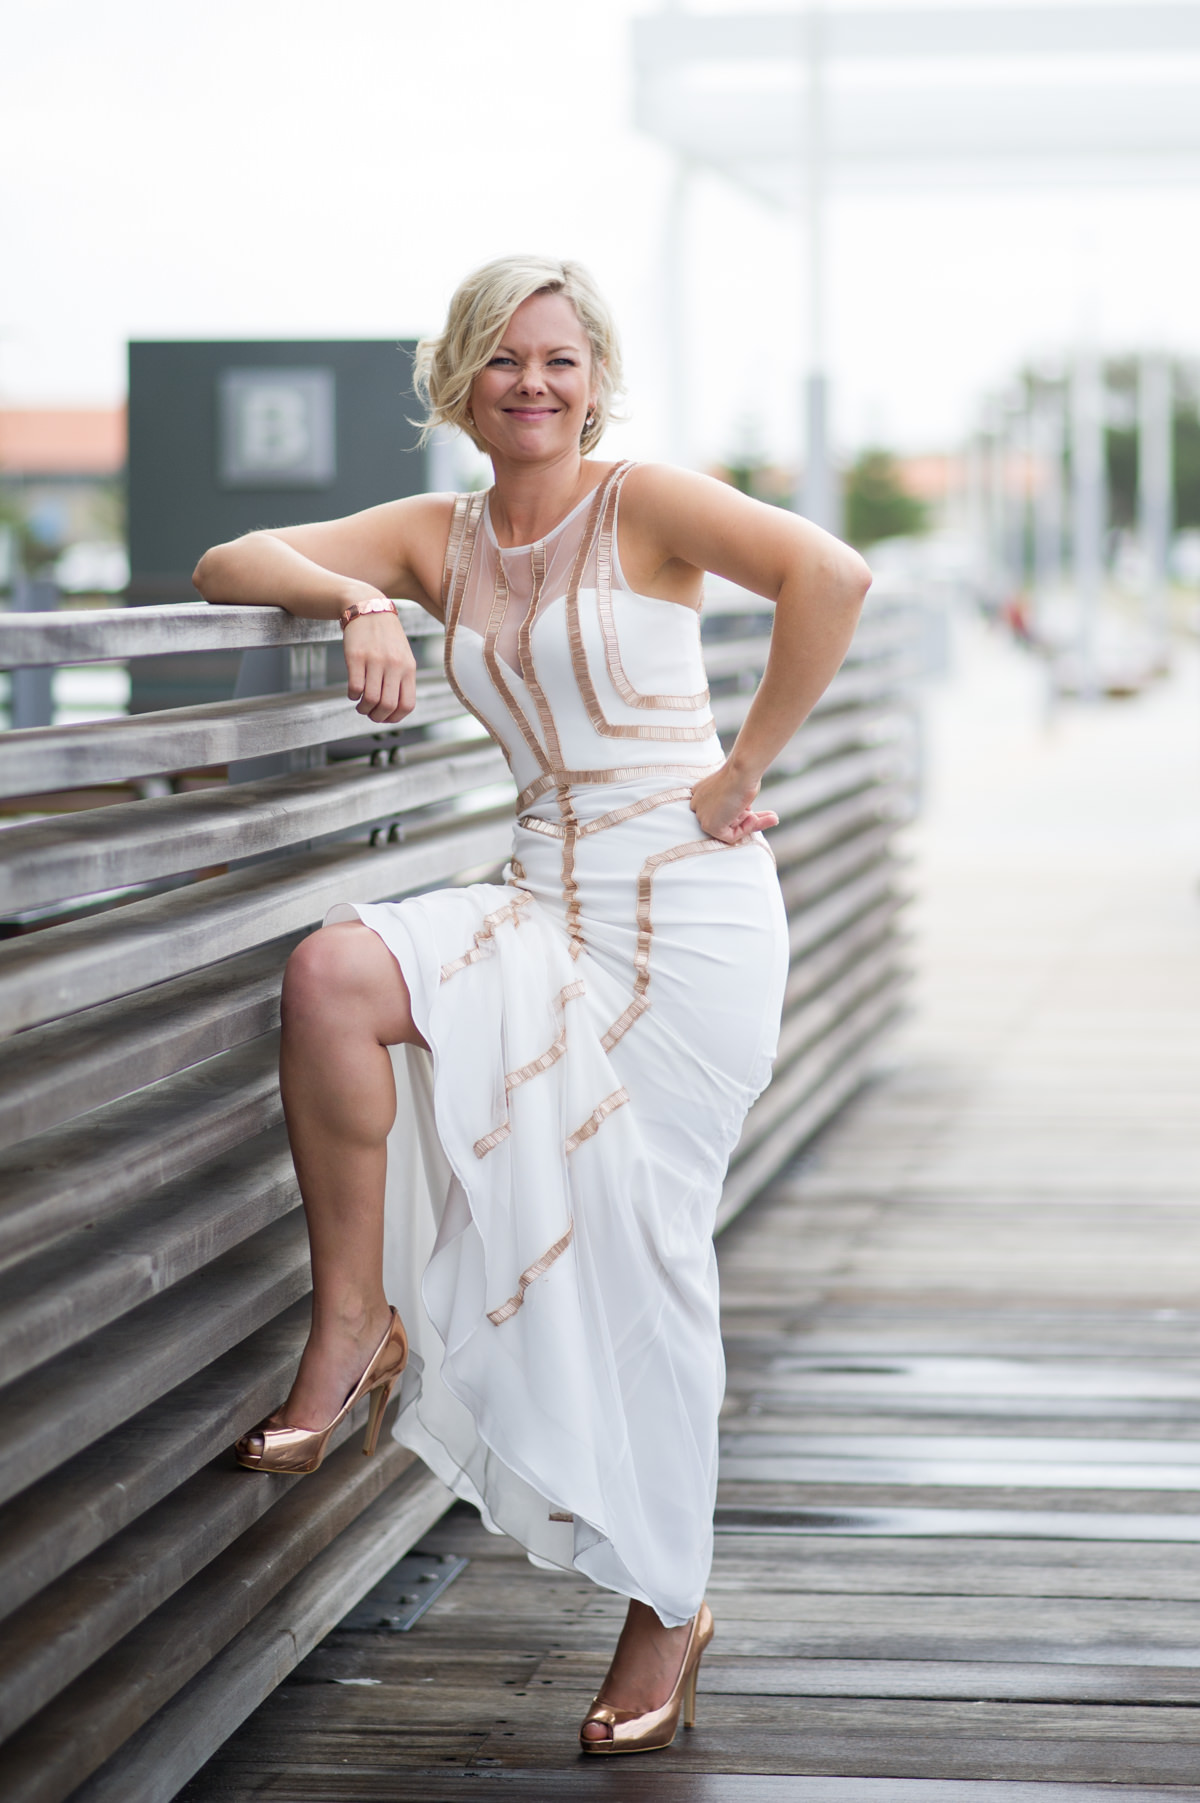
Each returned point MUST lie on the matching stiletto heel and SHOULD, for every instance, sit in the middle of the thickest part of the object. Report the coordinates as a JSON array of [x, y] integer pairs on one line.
[[649, 1733], [379, 1401], [689, 1698], [301, 1449]]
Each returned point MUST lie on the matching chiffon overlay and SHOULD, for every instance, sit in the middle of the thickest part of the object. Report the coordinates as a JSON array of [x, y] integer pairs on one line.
[[599, 1024]]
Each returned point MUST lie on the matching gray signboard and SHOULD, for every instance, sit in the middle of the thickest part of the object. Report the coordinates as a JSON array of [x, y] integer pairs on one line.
[[226, 437]]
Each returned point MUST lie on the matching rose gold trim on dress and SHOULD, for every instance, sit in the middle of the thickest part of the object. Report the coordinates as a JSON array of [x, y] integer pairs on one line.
[[551, 828], [506, 1311], [458, 522], [608, 1106], [615, 816], [535, 1067], [621, 773], [645, 928], [481, 947], [500, 599], [579, 663], [612, 648], [467, 527]]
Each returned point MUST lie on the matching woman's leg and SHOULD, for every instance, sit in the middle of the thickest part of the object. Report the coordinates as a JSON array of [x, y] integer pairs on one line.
[[644, 1667], [345, 1002]]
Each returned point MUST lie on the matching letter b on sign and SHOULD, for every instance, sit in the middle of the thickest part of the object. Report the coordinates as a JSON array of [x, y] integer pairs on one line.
[[276, 428]]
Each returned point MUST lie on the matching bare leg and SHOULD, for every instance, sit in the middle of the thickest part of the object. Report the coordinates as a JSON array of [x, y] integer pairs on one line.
[[344, 1002], [644, 1667]]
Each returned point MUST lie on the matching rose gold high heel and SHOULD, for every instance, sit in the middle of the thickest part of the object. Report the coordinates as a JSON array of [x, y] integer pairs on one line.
[[301, 1449], [649, 1733]]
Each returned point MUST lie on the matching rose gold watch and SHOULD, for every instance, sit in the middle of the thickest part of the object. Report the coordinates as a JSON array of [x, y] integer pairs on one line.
[[378, 606]]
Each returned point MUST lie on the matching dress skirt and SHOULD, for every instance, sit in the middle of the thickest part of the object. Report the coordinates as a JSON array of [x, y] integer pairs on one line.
[[554, 1172]]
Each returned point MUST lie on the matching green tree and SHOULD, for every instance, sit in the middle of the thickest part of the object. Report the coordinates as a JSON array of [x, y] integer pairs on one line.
[[877, 504]]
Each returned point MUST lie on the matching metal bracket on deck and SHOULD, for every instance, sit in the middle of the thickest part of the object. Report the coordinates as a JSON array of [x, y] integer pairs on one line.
[[400, 1599]]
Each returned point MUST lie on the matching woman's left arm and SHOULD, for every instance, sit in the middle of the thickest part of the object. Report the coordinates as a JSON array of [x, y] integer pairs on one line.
[[818, 586]]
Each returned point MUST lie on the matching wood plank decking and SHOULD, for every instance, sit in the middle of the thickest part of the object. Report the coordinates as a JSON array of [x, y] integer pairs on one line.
[[958, 1551]]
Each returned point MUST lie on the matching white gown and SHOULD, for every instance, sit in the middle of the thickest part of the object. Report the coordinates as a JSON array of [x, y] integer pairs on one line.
[[599, 1025]]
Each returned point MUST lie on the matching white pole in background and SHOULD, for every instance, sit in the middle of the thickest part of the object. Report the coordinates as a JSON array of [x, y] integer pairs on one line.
[[674, 292], [1048, 492], [996, 540], [1087, 508], [1155, 484], [816, 498]]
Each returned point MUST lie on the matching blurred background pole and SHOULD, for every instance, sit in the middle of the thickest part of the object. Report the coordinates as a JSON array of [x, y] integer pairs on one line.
[[816, 498], [975, 482], [31, 692], [1016, 473], [1048, 490], [1087, 508], [674, 289], [996, 539], [1155, 483]]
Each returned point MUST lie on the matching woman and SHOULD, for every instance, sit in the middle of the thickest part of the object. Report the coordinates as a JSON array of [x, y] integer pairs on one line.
[[599, 1023]]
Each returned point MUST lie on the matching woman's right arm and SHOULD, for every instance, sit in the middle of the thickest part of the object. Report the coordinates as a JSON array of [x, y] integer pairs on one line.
[[393, 551]]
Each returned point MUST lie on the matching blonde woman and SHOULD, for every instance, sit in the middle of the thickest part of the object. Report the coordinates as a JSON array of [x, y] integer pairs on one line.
[[599, 1022]]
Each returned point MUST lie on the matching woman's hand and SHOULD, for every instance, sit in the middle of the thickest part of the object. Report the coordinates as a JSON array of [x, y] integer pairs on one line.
[[381, 667], [722, 804]]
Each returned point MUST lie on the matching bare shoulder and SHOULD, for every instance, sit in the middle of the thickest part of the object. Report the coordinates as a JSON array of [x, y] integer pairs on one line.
[[679, 519]]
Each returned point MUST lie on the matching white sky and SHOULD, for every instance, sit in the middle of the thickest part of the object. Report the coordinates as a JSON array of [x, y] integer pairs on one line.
[[291, 168]]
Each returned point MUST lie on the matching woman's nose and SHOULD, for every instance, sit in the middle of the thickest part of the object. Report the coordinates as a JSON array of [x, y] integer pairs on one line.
[[531, 379]]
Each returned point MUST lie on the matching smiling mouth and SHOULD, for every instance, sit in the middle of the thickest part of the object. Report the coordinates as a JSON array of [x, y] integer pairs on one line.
[[531, 412]]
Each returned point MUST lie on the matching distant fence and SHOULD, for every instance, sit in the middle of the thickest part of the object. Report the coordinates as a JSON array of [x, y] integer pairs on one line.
[[153, 1259]]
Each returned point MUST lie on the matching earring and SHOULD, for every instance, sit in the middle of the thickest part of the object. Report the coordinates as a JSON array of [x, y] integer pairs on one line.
[[470, 419]]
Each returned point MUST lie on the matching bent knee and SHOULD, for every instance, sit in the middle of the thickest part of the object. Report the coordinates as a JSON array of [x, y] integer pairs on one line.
[[345, 967], [333, 965]]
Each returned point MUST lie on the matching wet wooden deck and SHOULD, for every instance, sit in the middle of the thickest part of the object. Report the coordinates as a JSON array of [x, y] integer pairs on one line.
[[958, 1551]]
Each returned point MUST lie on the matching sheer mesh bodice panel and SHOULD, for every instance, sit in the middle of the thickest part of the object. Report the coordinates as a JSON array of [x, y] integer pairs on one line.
[[582, 681]]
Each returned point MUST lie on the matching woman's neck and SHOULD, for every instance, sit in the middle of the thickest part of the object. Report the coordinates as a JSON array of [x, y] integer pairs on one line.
[[528, 500]]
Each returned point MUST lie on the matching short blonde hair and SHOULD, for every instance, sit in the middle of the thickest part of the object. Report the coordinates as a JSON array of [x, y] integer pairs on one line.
[[446, 367]]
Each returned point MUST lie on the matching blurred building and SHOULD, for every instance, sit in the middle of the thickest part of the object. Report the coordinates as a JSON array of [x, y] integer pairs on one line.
[[62, 489]]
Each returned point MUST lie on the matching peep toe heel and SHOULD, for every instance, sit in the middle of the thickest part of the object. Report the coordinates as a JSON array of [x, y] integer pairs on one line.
[[656, 1728], [300, 1450]]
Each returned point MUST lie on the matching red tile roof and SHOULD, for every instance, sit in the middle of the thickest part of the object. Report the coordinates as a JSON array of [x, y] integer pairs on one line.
[[62, 441]]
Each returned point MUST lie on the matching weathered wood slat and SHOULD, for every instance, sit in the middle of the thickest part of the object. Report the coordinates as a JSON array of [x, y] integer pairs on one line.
[[86, 1170], [100, 635], [877, 768], [77, 1620], [86, 1279], [796, 841], [81, 963], [63, 1517], [861, 937], [807, 1023], [52, 1073], [142, 841], [809, 926], [70, 1402], [806, 882], [176, 1743], [39, 759], [46, 1760]]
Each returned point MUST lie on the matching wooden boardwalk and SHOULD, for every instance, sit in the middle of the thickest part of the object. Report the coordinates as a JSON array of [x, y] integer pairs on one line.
[[958, 1551]]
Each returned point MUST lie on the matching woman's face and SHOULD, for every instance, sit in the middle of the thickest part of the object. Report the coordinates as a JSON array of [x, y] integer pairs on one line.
[[532, 399]]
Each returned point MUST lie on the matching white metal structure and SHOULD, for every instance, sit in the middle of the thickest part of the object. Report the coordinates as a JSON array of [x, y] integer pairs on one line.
[[792, 104]]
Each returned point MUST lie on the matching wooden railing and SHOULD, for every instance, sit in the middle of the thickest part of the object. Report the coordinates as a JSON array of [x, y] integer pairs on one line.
[[153, 1259]]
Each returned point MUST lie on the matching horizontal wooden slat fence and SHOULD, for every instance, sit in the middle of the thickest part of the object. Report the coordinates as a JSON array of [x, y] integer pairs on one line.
[[153, 1261]]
